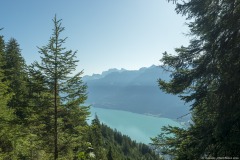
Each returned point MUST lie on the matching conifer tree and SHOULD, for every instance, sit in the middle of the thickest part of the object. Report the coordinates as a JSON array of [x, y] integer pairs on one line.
[[96, 139], [15, 72], [2, 50], [15, 76], [68, 92], [110, 154], [206, 73], [6, 114]]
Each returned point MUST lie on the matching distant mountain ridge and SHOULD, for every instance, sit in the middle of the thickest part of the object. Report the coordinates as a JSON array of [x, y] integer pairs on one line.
[[104, 73], [135, 91]]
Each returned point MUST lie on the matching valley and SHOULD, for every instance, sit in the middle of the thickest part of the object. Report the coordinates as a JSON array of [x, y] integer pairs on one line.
[[135, 91]]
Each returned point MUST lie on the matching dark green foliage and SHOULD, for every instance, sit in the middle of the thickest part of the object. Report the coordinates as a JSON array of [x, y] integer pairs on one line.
[[6, 114], [111, 144], [40, 104], [96, 139], [206, 73], [15, 74], [110, 154], [13, 102], [41, 119]]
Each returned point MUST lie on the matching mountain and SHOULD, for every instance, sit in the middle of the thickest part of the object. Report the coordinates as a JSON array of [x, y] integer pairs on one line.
[[104, 73], [135, 91]]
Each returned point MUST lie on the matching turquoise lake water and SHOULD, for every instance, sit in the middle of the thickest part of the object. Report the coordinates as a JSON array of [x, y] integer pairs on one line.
[[138, 127]]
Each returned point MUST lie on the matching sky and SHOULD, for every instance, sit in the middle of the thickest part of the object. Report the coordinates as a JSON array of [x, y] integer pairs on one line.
[[127, 34]]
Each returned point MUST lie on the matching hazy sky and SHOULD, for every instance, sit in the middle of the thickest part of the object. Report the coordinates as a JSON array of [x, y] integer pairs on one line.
[[126, 34]]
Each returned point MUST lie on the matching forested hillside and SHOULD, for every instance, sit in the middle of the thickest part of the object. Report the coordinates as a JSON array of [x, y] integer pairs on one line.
[[112, 145], [42, 111]]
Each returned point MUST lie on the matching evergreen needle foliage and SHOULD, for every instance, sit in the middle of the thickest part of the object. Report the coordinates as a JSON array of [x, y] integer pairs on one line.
[[206, 73], [68, 93], [110, 144]]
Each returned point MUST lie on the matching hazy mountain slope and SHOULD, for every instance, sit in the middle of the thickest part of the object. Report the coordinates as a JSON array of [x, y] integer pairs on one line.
[[135, 91]]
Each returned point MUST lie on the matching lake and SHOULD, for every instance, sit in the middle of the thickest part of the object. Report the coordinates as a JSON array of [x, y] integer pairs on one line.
[[138, 127]]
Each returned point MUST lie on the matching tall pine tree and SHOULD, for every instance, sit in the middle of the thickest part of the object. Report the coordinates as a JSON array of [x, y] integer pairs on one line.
[[68, 93]]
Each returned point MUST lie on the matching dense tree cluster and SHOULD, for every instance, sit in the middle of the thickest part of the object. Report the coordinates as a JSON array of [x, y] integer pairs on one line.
[[42, 105], [206, 73], [42, 111], [110, 144]]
